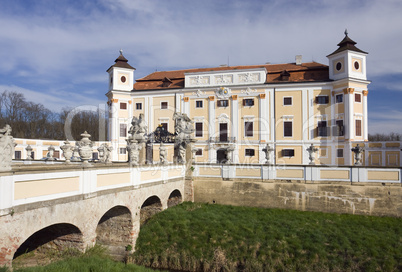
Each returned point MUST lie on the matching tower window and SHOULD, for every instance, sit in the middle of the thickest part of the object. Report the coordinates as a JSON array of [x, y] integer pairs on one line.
[[338, 66], [164, 105], [138, 106], [198, 129], [357, 65], [287, 129], [288, 152], [198, 152], [339, 153], [223, 103], [248, 102], [287, 101], [248, 128], [358, 97], [250, 152], [198, 104], [123, 130], [358, 127], [339, 98], [123, 79], [322, 99], [123, 106]]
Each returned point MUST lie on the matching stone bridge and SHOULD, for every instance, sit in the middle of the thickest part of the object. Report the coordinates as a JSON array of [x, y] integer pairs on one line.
[[63, 206]]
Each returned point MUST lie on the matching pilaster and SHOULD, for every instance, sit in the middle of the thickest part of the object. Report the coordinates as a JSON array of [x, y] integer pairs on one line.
[[211, 127], [235, 125], [365, 116]]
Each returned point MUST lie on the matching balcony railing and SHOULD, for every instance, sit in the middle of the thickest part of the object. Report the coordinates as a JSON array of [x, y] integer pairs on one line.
[[222, 139], [339, 131]]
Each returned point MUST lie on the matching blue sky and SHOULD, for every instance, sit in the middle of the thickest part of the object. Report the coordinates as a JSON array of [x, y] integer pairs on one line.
[[57, 52]]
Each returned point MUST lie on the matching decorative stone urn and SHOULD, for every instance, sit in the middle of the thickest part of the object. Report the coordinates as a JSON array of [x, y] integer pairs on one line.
[[29, 152], [67, 149], [85, 148], [50, 153]]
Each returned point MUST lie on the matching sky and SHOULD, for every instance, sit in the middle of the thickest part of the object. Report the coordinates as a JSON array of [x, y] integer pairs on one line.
[[57, 52]]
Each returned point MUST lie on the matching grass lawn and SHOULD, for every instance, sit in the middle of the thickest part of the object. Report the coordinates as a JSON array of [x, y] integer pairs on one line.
[[202, 237], [94, 260]]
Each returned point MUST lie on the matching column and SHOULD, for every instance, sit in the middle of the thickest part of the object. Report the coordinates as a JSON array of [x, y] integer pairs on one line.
[[365, 116], [211, 127], [114, 129], [349, 112], [234, 119], [186, 105], [305, 126]]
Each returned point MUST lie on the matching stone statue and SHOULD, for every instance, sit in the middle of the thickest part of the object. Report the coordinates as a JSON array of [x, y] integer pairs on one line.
[[133, 149], [184, 127], [229, 151], [50, 153], [7, 146], [67, 149], [85, 148], [162, 154], [105, 153], [267, 150], [138, 129], [358, 150], [182, 154], [311, 150], [29, 152], [76, 154]]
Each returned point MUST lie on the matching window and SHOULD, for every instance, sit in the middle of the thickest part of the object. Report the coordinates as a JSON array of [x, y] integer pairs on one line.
[[248, 102], [95, 156], [288, 152], [339, 129], [164, 126], [223, 103], [122, 150], [17, 155], [339, 98], [358, 97], [322, 99], [358, 127], [198, 104], [123, 106], [164, 105], [138, 106], [248, 129], [287, 129], [198, 129], [287, 101], [33, 155], [123, 130], [339, 153], [322, 129], [250, 152], [198, 152]]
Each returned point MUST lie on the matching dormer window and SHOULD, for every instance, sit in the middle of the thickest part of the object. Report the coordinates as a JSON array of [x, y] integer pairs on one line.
[[166, 82], [285, 75]]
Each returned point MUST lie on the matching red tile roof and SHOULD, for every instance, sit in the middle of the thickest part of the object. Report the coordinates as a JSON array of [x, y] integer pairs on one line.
[[306, 72]]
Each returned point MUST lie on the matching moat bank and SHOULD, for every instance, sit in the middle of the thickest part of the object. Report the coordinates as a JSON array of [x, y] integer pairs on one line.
[[338, 197]]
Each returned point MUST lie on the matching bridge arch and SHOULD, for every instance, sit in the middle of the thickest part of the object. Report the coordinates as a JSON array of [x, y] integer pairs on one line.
[[56, 237], [175, 198], [152, 205], [115, 230]]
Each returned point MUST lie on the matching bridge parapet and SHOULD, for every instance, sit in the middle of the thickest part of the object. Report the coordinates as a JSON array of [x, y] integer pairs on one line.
[[301, 173], [28, 184]]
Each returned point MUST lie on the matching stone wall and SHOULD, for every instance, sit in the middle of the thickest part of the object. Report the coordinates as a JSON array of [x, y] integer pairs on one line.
[[378, 199]]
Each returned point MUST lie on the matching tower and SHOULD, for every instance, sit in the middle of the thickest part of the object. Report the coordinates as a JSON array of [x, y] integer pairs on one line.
[[121, 82], [347, 61]]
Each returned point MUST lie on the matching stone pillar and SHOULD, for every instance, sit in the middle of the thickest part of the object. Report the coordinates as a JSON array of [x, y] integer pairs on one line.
[[143, 153], [365, 116], [349, 113]]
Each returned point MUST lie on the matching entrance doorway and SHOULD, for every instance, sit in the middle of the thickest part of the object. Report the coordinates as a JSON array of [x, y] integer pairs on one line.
[[221, 155]]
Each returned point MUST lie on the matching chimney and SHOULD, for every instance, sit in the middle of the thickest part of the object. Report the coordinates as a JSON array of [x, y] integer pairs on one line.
[[298, 59]]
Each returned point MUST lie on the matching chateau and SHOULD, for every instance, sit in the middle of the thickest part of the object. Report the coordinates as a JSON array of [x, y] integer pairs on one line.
[[243, 108]]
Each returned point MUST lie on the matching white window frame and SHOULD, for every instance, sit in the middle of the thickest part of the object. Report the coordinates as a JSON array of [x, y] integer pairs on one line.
[[343, 98], [249, 121], [167, 106], [138, 103], [202, 130], [291, 121], [360, 97]]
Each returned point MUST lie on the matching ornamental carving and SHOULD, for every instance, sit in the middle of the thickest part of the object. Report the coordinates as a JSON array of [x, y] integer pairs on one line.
[[199, 93], [223, 93], [249, 91], [249, 77], [199, 80], [223, 79]]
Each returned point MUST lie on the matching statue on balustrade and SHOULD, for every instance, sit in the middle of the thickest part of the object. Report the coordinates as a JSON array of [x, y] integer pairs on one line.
[[138, 129], [7, 146], [105, 153]]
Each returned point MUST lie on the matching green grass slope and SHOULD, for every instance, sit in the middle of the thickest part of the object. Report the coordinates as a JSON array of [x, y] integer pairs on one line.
[[202, 237]]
